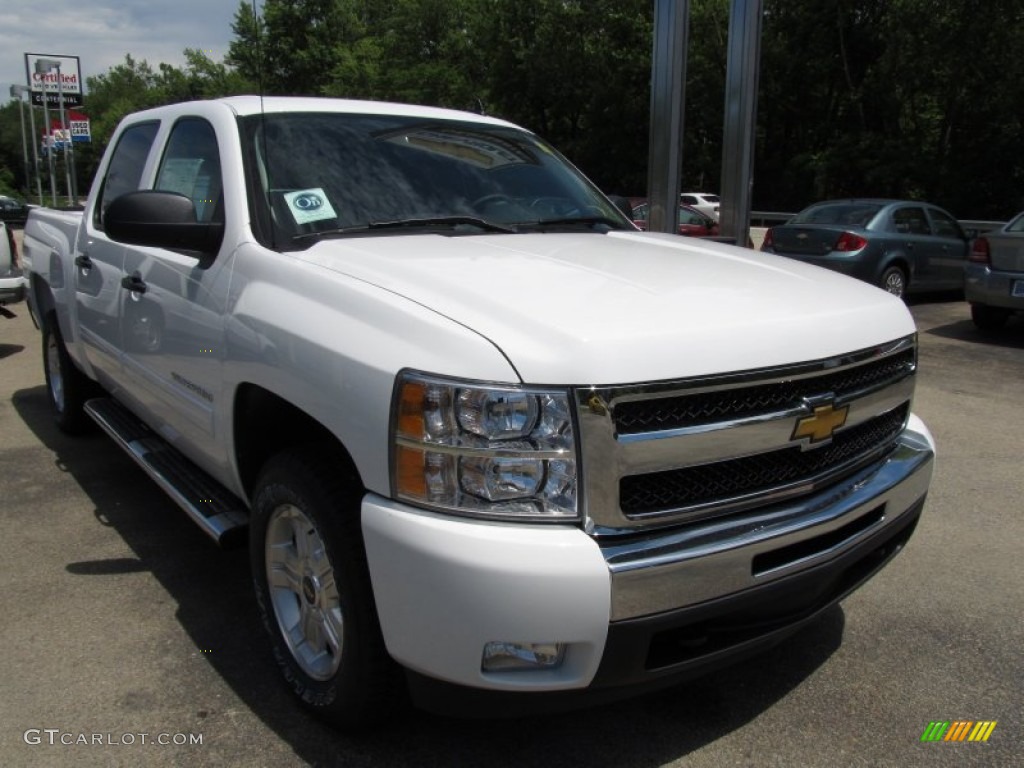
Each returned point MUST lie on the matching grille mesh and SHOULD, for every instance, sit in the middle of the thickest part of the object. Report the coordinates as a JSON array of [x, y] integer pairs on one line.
[[680, 411], [691, 486]]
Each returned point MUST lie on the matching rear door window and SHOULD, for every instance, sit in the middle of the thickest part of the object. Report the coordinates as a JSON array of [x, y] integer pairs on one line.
[[911, 220], [945, 225]]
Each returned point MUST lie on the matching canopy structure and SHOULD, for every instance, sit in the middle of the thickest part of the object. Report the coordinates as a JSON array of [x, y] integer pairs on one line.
[[668, 100]]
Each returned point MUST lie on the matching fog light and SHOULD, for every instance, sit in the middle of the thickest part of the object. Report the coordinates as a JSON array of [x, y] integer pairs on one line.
[[505, 656]]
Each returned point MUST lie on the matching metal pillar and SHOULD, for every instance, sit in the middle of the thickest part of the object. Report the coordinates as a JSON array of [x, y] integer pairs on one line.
[[668, 99], [69, 153], [739, 133]]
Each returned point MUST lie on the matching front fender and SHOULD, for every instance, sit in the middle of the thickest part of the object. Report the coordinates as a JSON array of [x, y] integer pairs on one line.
[[331, 345]]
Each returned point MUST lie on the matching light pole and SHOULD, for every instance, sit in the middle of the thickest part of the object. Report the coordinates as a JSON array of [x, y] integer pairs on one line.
[[16, 93], [43, 67]]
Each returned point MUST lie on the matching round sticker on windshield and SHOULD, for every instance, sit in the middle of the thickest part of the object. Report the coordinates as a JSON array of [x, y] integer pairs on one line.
[[307, 205]]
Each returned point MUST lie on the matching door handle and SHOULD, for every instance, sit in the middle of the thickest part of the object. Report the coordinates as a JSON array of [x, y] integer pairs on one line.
[[83, 261], [133, 283]]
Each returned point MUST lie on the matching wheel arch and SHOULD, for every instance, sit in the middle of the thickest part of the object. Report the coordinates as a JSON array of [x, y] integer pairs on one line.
[[41, 301], [896, 259], [265, 424]]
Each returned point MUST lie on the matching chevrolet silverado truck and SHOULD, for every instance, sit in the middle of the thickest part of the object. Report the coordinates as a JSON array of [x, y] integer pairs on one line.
[[493, 449]]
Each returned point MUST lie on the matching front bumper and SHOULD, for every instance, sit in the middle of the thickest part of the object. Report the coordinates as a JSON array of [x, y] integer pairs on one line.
[[637, 615], [991, 287]]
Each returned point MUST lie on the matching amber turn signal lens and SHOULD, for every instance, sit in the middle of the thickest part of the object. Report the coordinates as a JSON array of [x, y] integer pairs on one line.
[[412, 480], [410, 409]]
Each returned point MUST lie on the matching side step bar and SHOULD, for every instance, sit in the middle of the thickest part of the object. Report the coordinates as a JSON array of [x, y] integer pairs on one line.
[[218, 512]]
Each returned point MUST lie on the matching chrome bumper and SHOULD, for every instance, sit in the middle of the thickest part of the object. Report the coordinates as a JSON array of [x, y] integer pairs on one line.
[[660, 572]]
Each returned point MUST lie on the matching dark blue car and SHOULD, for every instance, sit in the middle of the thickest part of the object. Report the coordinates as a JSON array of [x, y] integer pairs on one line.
[[901, 246]]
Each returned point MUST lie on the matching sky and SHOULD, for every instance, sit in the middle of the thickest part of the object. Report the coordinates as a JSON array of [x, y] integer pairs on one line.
[[101, 32]]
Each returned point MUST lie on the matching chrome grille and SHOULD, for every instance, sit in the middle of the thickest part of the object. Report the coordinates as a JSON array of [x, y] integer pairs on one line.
[[673, 452], [707, 483], [636, 416]]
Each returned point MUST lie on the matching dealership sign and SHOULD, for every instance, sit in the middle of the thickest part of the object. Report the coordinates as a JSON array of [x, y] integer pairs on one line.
[[77, 129], [80, 130], [51, 85]]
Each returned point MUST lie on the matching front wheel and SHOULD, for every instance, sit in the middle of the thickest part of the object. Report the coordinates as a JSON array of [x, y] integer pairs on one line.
[[313, 589], [67, 388], [894, 280]]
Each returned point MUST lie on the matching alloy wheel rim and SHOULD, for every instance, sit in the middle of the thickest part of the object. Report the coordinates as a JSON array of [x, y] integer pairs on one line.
[[894, 283], [303, 592]]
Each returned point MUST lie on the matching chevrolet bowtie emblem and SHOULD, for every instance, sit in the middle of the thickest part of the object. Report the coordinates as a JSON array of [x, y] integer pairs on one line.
[[821, 424]]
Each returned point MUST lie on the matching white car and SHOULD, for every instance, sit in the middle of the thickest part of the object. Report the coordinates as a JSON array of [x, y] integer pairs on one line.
[[704, 202], [12, 283]]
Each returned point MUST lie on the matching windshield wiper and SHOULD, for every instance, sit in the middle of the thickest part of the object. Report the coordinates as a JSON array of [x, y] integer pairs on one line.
[[587, 221], [417, 223], [436, 221]]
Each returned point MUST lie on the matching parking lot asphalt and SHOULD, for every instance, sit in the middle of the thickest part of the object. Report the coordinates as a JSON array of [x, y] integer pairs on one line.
[[120, 618]]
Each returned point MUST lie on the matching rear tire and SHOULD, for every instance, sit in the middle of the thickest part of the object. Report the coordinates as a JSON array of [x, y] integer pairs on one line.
[[67, 388], [313, 589], [989, 319], [894, 280]]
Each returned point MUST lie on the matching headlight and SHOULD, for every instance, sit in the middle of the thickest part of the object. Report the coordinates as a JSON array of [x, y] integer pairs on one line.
[[487, 451]]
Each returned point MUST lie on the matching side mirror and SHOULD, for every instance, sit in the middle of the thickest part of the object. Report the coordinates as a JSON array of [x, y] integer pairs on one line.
[[161, 220]]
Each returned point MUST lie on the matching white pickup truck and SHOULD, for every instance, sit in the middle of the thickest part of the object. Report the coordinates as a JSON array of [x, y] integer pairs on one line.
[[492, 446]]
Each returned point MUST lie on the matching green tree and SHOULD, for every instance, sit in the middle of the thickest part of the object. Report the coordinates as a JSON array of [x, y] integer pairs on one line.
[[13, 181], [578, 73], [293, 48]]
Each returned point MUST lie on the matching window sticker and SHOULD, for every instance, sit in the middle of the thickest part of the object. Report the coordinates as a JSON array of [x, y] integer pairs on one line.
[[308, 205], [178, 174]]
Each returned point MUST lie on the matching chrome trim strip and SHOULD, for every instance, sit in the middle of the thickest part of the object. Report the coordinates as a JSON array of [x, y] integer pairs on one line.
[[686, 566], [709, 443]]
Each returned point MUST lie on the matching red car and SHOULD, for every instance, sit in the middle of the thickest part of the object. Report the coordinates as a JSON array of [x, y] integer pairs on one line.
[[691, 221]]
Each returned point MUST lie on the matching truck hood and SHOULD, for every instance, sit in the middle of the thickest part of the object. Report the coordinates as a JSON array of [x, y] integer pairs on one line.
[[625, 307]]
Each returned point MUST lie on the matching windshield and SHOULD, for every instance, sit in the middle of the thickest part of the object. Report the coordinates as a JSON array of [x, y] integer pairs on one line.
[[321, 175], [842, 214]]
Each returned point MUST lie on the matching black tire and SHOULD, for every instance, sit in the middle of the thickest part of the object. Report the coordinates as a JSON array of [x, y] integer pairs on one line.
[[320, 616], [989, 319], [67, 388], [894, 280]]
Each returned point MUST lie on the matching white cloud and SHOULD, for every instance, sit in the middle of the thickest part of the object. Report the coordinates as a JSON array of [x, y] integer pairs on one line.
[[102, 32]]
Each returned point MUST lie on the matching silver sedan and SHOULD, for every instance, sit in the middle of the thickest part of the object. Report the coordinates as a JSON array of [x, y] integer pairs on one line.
[[995, 275], [12, 282]]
